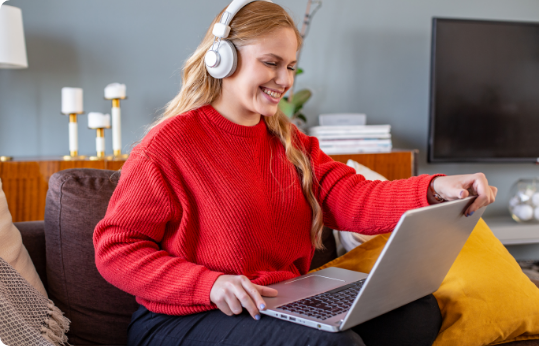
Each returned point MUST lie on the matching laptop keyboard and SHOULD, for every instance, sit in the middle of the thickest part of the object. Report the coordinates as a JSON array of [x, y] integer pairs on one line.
[[328, 304]]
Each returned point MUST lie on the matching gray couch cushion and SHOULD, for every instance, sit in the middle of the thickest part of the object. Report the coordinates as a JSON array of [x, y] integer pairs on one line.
[[99, 312]]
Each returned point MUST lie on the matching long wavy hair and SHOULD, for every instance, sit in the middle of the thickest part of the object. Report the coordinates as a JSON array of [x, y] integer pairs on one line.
[[199, 88]]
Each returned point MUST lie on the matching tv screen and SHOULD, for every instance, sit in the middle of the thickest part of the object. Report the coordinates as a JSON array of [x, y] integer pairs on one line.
[[484, 102]]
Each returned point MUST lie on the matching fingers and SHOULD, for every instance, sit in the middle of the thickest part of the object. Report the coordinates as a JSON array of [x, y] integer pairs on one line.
[[266, 291], [232, 293], [485, 194], [249, 297]]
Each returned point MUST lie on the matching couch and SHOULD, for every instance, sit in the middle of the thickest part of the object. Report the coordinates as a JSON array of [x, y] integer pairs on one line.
[[62, 250]]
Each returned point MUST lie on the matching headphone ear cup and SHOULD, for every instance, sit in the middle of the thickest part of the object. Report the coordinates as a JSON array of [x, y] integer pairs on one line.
[[228, 61]]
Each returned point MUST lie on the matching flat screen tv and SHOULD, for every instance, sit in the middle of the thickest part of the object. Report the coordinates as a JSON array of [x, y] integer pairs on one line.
[[484, 102]]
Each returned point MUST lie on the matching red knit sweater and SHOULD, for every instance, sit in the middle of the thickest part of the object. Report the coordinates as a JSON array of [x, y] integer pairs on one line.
[[201, 196]]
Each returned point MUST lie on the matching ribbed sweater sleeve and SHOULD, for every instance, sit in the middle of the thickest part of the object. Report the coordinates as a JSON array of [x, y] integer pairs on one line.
[[128, 254], [352, 203]]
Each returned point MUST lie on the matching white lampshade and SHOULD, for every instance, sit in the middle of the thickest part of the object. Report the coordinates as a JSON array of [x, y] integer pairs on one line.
[[12, 45]]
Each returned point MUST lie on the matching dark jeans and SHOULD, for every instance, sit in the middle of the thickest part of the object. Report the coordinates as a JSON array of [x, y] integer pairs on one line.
[[414, 324]]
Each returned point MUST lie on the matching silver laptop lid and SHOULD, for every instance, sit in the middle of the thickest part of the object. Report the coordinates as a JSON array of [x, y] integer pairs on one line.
[[415, 260]]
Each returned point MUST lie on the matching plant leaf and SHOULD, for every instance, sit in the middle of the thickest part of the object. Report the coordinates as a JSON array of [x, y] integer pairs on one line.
[[299, 98], [286, 107], [301, 116], [299, 71]]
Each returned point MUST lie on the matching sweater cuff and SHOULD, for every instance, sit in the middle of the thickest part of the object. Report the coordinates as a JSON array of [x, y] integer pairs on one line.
[[425, 189], [202, 289]]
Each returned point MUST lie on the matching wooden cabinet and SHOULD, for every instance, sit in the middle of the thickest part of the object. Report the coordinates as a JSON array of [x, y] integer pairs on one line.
[[397, 164], [25, 181]]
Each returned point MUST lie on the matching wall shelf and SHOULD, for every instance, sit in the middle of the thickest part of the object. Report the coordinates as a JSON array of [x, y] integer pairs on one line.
[[510, 232]]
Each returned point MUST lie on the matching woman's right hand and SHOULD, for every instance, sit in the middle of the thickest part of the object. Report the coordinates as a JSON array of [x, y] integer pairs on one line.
[[231, 292]]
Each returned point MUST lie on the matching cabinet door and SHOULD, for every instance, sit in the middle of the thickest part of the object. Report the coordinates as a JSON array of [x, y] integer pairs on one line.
[[398, 164]]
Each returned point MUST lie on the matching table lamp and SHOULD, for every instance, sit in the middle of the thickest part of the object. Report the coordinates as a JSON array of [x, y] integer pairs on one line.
[[12, 45]]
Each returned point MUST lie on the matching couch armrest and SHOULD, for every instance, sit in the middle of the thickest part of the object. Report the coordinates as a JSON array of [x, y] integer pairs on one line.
[[33, 238]]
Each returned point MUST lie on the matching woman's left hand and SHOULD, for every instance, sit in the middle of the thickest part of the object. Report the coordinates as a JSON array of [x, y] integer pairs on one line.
[[461, 186]]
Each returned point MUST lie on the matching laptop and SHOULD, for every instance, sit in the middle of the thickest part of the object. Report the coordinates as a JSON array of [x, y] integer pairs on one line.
[[413, 264]]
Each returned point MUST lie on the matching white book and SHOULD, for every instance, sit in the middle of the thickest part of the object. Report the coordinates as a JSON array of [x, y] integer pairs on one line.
[[349, 130], [357, 150], [339, 119], [354, 137], [355, 142]]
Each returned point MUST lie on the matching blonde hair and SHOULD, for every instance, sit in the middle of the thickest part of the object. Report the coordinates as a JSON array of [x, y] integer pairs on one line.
[[199, 88]]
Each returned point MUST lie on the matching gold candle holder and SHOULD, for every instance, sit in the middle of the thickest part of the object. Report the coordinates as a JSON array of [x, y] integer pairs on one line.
[[6, 158], [99, 122]]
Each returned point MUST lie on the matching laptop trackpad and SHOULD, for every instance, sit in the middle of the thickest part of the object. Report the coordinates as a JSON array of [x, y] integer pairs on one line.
[[308, 285], [311, 284], [314, 281]]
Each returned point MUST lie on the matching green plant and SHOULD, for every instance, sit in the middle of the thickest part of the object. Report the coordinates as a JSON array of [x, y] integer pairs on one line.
[[292, 108]]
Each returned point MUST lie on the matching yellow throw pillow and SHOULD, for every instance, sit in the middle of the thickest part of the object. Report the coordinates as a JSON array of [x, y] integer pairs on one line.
[[485, 298]]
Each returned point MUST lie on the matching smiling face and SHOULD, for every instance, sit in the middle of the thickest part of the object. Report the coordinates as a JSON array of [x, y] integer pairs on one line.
[[265, 72]]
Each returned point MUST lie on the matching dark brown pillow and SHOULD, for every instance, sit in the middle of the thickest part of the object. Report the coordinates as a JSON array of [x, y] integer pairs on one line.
[[99, 312]]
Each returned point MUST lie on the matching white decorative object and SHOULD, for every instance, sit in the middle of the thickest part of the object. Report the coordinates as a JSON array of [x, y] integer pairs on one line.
[[73, 137], [72, 101], [99, 122], [72, 105], [116, 92], [523, 211], [524, 203], [116, 130], [342, 119], [12, 44]]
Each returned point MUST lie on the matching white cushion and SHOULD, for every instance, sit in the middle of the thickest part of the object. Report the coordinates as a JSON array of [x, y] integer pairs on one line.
[[346, 241], [12, 249]]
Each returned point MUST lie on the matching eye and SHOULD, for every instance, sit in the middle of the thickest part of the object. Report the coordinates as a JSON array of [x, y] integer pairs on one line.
[[270, 63], [291, 68]]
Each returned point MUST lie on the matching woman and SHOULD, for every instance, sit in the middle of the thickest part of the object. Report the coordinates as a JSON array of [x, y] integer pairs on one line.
[[224, 196]]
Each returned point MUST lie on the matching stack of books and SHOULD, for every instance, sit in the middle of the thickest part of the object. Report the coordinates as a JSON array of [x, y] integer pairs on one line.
[[353, 139]]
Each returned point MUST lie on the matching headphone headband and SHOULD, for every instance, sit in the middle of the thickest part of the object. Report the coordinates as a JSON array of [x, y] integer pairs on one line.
[[222, 29], [221, 59]]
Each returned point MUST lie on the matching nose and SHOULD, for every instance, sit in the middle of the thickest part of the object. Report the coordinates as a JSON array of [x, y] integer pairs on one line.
[[284, 77]]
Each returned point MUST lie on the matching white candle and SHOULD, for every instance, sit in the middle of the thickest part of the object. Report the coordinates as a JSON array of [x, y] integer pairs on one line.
[[98, 120], [116, 129], [115, 91], [72, 101]]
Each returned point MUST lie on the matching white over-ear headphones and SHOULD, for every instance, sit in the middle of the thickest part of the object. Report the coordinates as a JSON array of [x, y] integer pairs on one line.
[[221, 60]]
